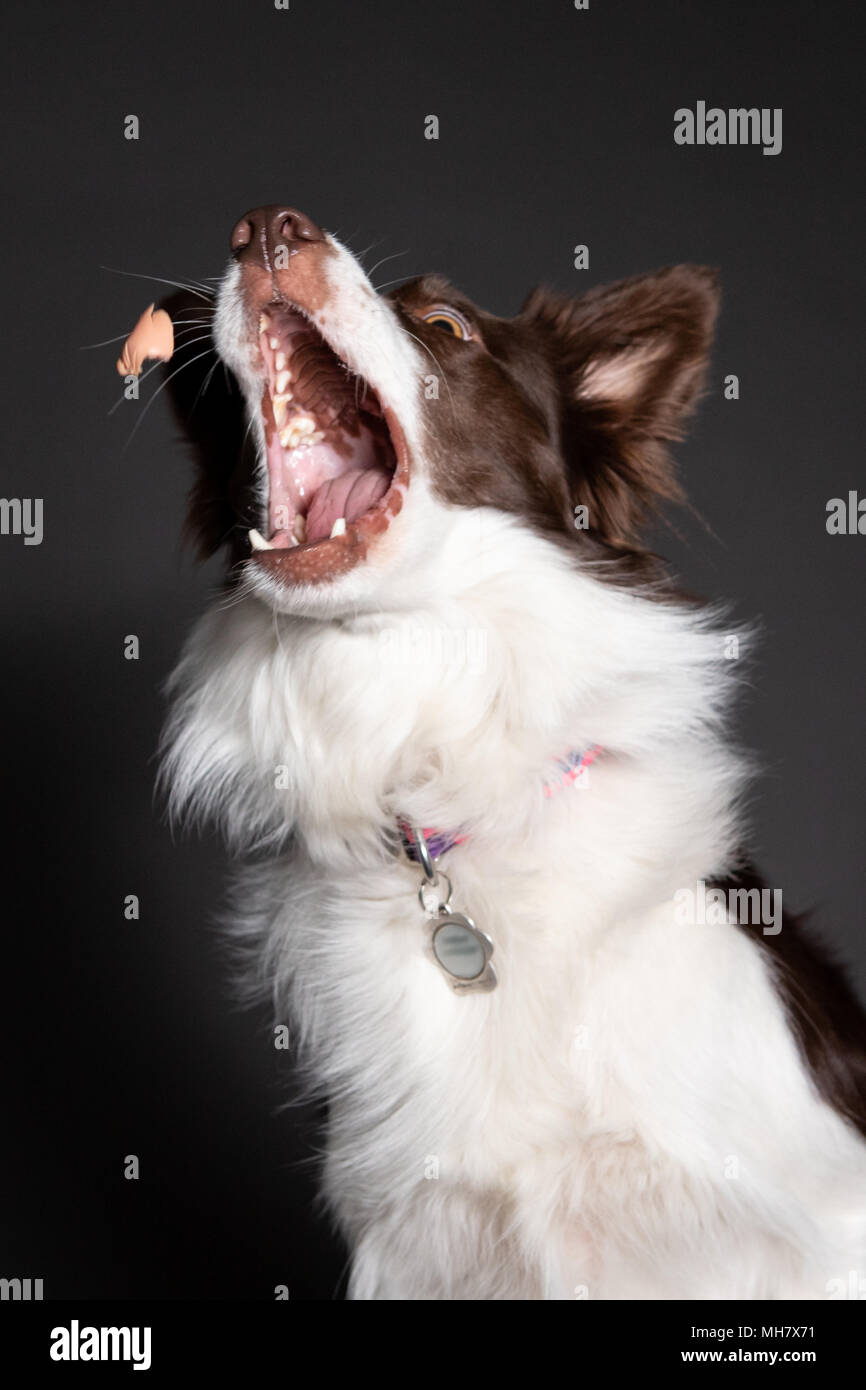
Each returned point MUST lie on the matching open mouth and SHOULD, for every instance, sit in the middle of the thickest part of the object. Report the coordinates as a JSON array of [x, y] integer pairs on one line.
[[333, 452]]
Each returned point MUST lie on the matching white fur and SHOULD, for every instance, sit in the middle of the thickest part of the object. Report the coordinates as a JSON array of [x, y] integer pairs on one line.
[[627, 1115]]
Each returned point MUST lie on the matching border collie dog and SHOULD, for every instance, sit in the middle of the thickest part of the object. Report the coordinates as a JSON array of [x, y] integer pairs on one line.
[[470, 742]]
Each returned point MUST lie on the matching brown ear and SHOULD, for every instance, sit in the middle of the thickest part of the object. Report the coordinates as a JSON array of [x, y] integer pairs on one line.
[[630, 359]]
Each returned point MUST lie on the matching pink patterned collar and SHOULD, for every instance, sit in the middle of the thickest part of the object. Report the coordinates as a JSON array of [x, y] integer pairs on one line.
[[439, 842]]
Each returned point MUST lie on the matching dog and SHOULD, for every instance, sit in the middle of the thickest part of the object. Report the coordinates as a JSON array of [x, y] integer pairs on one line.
[[472, 743]]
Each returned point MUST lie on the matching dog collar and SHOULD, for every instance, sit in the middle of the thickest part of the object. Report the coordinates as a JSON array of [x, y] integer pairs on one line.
[[439, 842], [461, 949]]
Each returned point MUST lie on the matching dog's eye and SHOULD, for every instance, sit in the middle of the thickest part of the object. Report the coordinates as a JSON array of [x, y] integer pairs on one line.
[[448, 320]]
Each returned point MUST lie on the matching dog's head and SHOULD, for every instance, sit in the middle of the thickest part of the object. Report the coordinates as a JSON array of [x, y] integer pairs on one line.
[[370, 418]]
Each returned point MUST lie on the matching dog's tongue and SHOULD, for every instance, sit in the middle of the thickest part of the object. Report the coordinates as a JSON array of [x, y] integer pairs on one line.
[[350, 495]]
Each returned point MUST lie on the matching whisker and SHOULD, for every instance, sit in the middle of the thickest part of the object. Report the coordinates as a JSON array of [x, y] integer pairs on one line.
[[246, 434], [338, 235], [435, 359], [192, 329], [384, 260], [396, 281], [159, 279], [203, 387], [154, 365], [88, 347], [202, 338], [106, 342], [367, 249], [160, 388], [142, 378], [235, 526], [239, 593]]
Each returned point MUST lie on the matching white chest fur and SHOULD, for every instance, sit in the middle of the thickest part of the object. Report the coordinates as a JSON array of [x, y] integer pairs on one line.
[[627, 1115]]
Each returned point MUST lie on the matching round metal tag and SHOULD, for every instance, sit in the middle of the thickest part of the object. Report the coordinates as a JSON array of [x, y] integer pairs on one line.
[[458, 949], [463, 952]]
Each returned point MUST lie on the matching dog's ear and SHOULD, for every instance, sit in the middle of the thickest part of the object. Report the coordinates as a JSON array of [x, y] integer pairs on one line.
[[630, 360]]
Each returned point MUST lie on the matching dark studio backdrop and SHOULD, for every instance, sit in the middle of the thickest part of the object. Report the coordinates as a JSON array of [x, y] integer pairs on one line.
[[556, 129]]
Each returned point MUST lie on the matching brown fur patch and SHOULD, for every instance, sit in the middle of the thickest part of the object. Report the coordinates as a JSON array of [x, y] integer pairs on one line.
[[824, 1013], [520, 423]]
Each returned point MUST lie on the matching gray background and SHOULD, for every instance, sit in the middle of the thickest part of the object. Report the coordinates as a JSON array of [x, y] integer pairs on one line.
[[556, 128]]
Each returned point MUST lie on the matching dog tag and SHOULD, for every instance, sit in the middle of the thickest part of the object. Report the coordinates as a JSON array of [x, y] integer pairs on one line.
[[462, 951], [457, 946]]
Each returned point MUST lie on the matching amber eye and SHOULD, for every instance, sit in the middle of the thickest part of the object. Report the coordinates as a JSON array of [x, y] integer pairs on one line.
[[448, 320]]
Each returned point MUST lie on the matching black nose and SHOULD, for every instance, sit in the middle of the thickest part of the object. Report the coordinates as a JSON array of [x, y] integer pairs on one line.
[[261, 231]]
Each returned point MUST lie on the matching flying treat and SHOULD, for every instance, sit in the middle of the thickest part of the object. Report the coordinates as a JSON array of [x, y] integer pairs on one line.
[[152, 336]]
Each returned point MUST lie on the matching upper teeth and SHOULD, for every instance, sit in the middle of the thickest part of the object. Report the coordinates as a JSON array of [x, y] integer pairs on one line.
[[301, 428]]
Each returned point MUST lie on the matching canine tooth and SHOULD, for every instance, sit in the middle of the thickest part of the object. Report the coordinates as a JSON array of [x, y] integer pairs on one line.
[[299, 530], [339, 527], [280, 361], [274, 343], [283, 379], [258, 542]]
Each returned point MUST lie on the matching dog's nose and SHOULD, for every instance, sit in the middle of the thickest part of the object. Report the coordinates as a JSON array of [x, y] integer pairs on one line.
[[262, 230]]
